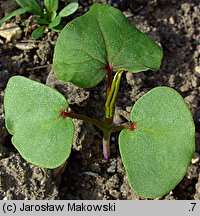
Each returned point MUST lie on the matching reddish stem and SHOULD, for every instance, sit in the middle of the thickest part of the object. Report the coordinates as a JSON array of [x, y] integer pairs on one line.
[[106, 145], [109, 69]]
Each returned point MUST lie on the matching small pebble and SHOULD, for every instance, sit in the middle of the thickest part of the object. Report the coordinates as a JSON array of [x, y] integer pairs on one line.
[[195, 158], [10, 32], [114, 193], [25, 46], [128, 108], [171, 20], [117, 119], [112, 167], [184, 87], [185, 7], [197, 69]]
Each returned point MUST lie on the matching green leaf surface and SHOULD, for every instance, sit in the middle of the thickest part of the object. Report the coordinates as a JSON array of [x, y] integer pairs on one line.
[[51, 8], [102, 37], [38, 33], [69, 9], [57, 28], [158, 152], [32, 114], [14, 13], [22, 3], [55, 22], [53, 15], [51, 5], [42, 21], [32, 4]]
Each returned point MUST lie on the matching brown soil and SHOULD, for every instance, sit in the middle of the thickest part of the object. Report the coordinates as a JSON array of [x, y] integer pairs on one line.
[[175, 25]]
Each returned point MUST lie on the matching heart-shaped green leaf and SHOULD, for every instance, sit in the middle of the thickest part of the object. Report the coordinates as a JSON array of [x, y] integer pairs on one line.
[[157, 150], [33, 116], [102, 39]]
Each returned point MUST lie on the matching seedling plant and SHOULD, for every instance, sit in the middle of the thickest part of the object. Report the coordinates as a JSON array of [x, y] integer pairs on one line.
[[48, 16], [156, 146]]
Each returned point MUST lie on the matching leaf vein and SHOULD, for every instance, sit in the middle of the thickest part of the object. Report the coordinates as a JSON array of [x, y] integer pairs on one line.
[[90, 55], [104, 40]]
